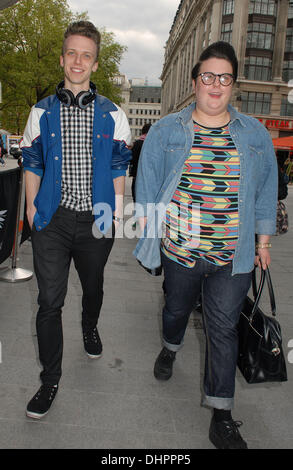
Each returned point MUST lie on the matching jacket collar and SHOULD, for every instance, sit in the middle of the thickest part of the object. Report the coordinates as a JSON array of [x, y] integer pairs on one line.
[[185, 115], [236, 116], [105, 104]]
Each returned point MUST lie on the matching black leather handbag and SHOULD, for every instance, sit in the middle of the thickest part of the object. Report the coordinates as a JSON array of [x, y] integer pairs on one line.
[[260, 354]]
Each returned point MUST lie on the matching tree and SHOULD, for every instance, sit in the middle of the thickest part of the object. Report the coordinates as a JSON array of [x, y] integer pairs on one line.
[[109, 59], [31, 36]]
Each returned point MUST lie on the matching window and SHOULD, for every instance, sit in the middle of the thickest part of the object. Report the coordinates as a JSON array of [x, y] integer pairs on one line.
[[288, 70], [286, 107], [255, 103], [258, 68], [226, 34], [263, 7], [228, 7], [290, 11], [289, 39], [205, 22], [261, 36]]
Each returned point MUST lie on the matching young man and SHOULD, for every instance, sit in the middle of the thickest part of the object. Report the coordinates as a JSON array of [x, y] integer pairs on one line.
[[215, 172], [75, 157]]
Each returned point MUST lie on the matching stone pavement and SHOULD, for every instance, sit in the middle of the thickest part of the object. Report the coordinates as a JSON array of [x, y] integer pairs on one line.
[[115, 402], [10, 163]]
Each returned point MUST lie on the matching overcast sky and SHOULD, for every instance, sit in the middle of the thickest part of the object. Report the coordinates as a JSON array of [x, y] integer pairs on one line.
[[141, 25]]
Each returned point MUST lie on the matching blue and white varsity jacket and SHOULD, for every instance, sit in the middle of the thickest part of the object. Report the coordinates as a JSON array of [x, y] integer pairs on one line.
[[42, 154]]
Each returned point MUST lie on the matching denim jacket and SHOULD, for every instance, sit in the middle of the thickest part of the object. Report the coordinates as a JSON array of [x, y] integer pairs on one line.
[[164, 152]]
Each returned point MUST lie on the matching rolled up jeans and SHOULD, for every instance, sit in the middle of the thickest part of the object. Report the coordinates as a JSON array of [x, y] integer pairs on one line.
[[223, 296]]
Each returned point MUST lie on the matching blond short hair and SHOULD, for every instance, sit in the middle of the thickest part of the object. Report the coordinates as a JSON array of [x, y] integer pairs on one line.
[[83, 28]]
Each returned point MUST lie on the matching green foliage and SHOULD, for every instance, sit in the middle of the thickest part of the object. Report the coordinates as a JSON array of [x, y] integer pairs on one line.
[[109, 60], [31, 36]]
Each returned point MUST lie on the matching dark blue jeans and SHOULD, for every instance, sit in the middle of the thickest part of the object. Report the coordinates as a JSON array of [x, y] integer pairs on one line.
[[223, 297], [68, 236]]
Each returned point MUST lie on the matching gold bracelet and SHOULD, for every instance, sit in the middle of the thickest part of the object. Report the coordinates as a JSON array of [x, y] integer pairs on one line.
[[263, 245]]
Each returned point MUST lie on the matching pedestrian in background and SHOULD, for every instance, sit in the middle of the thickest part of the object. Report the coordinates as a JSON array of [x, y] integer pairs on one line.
[[75, 156], [282, 214], [214, 170], [2, 151], [136, 149]]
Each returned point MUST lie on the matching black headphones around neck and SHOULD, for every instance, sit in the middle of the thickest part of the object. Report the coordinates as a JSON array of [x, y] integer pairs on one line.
[[82, 100]]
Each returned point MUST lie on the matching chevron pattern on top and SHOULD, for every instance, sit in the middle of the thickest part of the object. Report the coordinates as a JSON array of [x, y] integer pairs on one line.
[[202, 217]]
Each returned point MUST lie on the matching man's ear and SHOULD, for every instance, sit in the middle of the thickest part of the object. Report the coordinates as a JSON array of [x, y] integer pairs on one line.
[[95, 66]]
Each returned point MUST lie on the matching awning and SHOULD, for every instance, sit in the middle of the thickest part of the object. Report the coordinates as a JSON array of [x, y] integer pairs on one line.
[[283, 143]]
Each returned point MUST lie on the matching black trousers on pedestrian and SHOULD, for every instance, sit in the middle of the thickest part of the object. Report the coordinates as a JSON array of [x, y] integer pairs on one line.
[[68, 235]]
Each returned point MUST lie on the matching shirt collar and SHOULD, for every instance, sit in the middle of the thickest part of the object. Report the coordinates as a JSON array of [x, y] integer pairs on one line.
[[70, 109]]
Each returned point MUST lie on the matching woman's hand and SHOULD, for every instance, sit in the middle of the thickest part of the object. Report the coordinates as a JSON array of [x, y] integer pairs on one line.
[[262, 258]]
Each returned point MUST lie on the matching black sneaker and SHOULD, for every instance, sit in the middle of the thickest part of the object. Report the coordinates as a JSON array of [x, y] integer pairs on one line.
[[225, 435], [164, 364], [41, 401], [92, 344]]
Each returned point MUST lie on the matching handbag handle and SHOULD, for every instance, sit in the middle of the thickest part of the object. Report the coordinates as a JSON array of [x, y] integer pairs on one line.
[[257, 292], [271, 291]]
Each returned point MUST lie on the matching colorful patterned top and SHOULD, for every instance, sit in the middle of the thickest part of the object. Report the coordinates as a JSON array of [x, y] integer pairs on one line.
[[202, 217]]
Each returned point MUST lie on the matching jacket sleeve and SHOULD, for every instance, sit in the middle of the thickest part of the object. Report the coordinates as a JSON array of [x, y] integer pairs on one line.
[[121, 154], [150, 172], [31, 143], [267, 193]]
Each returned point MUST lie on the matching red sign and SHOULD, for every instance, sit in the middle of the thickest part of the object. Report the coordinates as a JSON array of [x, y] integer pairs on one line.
[[277, 124]]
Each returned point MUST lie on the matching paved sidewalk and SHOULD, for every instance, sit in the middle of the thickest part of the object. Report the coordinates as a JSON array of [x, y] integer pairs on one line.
[[10, 164], [115, 402]]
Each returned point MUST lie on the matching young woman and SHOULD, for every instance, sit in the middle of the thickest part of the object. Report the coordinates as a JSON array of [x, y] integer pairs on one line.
[[214, 170]]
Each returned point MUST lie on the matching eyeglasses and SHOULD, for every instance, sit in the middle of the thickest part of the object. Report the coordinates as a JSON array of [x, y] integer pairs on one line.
[[208, 78]]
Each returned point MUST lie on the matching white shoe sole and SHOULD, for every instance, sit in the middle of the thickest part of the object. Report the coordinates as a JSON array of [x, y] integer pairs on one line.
[[94, 356], [31, 414]]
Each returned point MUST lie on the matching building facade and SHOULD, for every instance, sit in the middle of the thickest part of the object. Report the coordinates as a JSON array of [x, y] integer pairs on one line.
[[141, 103], [261, 31]]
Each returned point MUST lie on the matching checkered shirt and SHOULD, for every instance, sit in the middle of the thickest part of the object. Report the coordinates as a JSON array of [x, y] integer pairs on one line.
[[77, 132]]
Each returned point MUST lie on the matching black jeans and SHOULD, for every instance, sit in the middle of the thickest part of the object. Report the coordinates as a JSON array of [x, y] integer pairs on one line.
[[68, 235], [223, 297]]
